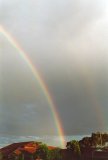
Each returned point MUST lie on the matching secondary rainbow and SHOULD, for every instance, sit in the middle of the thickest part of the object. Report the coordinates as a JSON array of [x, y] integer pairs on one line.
[[40, 80]]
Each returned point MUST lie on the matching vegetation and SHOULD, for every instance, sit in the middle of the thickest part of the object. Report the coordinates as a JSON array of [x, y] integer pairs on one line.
[[87, 147], [13, 156], [1, 156], [55, 154], [74, 146], [42, 152], [46, 154], [97, 140], [21, 157]]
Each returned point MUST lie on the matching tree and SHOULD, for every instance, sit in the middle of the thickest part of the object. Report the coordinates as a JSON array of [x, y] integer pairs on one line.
[[86, 142], [55, 154], [42, 152], [14, 156], [1, 156], [21, 157], [74, 146]]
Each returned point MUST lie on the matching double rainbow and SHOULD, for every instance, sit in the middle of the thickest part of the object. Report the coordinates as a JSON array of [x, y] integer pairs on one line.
[[38, 78]]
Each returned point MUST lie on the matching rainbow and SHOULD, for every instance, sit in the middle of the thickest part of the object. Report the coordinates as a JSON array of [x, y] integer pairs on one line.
[[40, 80], [89, 84]]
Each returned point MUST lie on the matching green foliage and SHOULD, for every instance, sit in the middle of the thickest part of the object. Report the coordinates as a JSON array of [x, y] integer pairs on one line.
[[1, 156], [42, 152], [74, 146], [55, 154], [16, 157], [21, 157], [45, 154], [86, 142]]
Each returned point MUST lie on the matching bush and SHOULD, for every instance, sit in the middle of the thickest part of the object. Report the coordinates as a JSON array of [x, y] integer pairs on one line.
[[55, 154], [1, 156], [74, 146], [42, 152]]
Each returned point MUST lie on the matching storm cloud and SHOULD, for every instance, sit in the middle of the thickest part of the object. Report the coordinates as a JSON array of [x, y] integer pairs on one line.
[[67, 41]]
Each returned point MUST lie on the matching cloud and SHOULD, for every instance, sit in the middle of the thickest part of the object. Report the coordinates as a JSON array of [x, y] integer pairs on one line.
[[67, 40]]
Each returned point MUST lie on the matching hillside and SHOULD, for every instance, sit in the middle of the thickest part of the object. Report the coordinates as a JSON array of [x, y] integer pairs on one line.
[[89, 148]]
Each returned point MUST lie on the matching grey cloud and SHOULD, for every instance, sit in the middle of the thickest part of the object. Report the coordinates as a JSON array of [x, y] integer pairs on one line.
[[67, 41]]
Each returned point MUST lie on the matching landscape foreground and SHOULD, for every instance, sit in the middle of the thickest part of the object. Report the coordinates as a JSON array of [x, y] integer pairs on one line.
[[94, 147]]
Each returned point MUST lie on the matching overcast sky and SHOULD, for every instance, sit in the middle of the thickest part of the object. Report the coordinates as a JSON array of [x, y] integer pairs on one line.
[[68, 41]]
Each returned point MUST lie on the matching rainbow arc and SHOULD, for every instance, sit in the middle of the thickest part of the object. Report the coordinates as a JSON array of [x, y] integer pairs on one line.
[[40, 80]]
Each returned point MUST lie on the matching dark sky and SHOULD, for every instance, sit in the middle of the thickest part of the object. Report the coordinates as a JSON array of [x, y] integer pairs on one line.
[[67, 41]]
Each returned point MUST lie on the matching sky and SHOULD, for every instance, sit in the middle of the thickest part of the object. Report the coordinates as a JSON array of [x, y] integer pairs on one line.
[[67, 41]]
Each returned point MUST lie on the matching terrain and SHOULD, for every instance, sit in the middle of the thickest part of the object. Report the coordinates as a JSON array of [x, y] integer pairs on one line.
[[94, 147]]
